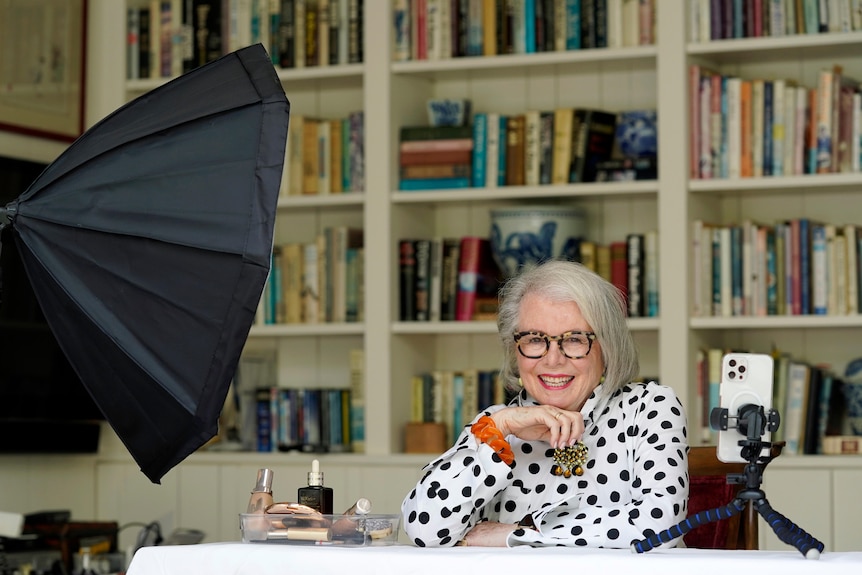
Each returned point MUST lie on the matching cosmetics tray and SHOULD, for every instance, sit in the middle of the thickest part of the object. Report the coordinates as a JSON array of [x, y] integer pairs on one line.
[[319, 529]]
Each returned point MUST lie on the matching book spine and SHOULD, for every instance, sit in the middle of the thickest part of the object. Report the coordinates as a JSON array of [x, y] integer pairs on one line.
[[433, 183], [636, 280], [819, 280], [402, 42], [619, 268], [357, 151], [407, 280], [532, 147], [468, 272], [562, 145], [422, 280], [480, 146], [515, 150], [572, 11], [492, 150]]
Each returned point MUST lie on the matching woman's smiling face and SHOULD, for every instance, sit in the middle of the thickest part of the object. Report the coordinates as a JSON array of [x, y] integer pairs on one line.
[[555, 379]]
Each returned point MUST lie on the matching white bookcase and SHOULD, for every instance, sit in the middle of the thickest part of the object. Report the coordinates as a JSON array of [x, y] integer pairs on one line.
[[209, 489]]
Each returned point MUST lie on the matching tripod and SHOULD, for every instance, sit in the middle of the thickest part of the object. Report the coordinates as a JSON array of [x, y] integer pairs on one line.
[[754, 420]]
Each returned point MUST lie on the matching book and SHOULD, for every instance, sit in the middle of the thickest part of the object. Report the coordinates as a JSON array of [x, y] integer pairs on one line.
[[619, 267], [532, 147], [636, 272], [451, 251], [422, 280], [562, 145], [412, 133], [793, 419], [133, 43], [424, 158], [477, 275], [651, 273], [343, 238], [842, 445], [414, 184], [432, 171], [593, 142], [811, 413], [435, 279], [291, 277], [546, 147], [493, 147], [480, 149], [516, 150], [356, 151], [406, 279]]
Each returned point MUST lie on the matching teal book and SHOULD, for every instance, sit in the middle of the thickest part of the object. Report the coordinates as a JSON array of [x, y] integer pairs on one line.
[[480, 141], [410, 185], [573, 24], [501, 152]]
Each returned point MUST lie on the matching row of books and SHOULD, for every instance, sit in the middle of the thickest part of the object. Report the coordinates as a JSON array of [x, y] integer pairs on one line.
[[760, 127], [447, 279], [537, 147], [439, 29], [316, 282], [796, 267], [324, 418], [631, 264], [808, 397], [454, 397], [457, 279], [724, 19], [324, 156], [317, 420], [166, 38]]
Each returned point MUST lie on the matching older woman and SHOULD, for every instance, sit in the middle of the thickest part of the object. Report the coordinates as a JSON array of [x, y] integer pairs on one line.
[[582, 456]]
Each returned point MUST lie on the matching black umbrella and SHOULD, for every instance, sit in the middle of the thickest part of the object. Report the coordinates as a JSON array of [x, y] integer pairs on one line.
[[148, 244]]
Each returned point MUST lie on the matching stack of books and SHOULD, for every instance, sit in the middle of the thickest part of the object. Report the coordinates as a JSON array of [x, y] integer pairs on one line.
[[435, 157]]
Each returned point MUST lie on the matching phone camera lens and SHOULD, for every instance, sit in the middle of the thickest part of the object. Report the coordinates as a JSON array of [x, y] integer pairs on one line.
[[731, 375], [741, 369], [732, 363]]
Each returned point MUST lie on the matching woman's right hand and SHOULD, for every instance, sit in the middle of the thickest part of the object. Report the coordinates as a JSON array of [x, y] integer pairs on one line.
[[558, 427]]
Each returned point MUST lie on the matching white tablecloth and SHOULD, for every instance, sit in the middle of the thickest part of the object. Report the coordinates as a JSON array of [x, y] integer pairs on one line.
[[279, 559]]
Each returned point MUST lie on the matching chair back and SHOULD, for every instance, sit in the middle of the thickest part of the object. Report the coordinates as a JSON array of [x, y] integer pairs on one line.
[[708, 489]]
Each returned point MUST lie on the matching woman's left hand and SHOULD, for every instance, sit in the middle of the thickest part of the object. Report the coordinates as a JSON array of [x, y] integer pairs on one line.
[[489, 534]]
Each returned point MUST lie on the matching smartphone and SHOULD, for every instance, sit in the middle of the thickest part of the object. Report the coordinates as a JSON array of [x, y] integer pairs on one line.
[[746, 378]]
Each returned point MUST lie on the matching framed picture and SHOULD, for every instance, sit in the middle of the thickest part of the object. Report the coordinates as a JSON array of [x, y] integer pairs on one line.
[[42, 55]]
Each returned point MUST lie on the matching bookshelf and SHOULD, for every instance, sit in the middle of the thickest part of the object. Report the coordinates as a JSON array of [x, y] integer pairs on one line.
[[393, 94]]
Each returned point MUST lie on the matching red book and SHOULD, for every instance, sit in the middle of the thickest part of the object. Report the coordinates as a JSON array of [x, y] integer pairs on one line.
[[478, 276], [620, 267], [425, 158]]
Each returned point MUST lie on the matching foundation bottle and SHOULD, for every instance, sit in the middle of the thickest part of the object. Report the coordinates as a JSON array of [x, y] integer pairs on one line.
[[261, 495], [315, 494]]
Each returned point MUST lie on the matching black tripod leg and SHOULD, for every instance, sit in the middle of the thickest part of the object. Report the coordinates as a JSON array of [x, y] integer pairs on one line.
[[788, 531], [687, 524]]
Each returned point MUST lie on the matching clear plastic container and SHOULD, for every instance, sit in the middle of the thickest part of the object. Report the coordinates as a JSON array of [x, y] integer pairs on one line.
[[319, 529]]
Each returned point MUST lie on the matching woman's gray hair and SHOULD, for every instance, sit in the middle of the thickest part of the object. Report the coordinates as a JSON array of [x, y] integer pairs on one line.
[[600, 302]]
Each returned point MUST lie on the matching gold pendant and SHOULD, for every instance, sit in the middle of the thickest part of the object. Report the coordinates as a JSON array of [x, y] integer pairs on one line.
[[568, 460]]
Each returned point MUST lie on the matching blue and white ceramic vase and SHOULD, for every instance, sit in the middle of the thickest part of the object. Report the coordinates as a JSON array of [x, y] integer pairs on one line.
[[530, 234]]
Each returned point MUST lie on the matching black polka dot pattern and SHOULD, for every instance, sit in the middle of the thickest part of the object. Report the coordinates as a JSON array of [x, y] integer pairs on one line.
[[634, 484]]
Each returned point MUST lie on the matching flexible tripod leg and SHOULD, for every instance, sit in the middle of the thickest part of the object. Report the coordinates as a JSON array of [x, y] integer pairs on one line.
[[687, 524], [788, 531]]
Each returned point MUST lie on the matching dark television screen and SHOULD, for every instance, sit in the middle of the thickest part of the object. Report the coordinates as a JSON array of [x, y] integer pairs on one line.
[[44, 407]]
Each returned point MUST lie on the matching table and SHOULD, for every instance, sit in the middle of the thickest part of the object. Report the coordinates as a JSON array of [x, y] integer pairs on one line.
[[280, 559]]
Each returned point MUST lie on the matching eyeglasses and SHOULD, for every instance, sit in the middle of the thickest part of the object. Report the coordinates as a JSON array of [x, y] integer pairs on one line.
[[573, 344]]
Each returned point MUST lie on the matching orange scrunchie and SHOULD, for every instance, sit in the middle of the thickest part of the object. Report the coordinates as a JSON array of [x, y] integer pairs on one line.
[[486, 432]]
